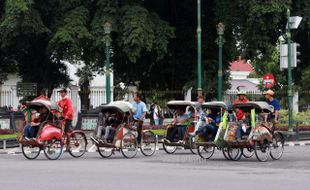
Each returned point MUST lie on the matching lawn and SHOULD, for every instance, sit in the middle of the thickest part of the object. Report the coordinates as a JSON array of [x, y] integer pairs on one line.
[[8, 136]]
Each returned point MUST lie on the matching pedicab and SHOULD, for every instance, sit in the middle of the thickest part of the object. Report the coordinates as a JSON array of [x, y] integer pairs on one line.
[[263, 140], [206, 147], [123, 136], [171, 140], [50, 136]]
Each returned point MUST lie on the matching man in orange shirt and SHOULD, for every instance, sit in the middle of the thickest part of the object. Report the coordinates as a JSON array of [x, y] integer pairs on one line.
[[67, 111]]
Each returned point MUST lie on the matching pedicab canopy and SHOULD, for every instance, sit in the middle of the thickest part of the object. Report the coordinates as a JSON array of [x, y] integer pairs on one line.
[[36, 104], [181, 103], [214, 104], [121, 106], [259, 106]]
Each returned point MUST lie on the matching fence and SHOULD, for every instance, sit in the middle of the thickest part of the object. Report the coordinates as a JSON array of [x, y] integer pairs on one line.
[[97, 97], [6, 98]]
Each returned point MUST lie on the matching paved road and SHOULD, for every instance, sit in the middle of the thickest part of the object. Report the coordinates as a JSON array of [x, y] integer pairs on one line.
[[179, 171]]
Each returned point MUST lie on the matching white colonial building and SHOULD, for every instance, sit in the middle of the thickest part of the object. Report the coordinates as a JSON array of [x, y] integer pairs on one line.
[[8, 93]]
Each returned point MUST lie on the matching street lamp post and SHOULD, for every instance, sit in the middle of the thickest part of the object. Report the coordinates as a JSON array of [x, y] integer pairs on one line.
[[220, 41], [199, 88], [289, 75], [107, 31]]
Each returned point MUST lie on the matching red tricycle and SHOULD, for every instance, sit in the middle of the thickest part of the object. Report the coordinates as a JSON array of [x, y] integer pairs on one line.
[[49, 134]]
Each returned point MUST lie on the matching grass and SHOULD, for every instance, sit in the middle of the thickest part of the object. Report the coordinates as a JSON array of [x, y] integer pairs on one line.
[[8, 136], [159, 131]]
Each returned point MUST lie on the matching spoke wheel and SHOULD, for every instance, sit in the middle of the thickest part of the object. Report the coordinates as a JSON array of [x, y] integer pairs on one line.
[[105, 152], [248, 152], [169, 149], [192, 144], [225, 153], [31, 152], [77, 144], [148, 143], [129, 145], [234, 153], [206, 151], [262, 151], [53, 149], [277, 146]]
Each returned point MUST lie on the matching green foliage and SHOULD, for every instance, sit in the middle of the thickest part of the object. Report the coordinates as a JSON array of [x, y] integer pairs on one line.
[[301, 117], [142, 31], [70, 40]]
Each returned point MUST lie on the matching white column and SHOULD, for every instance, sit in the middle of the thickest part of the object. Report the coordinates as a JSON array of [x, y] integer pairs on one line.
[[14, 97], [74, 97], [188, 94]]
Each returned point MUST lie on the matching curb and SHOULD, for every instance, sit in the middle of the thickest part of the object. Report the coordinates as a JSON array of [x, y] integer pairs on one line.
[[93, 148]]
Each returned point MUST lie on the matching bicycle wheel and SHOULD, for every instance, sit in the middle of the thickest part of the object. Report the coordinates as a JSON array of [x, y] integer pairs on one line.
[[277, 146], [148, 143], [225, 153], [105, 152], [192, 144], [129, 145], [77, 144], [262, 151], [169, 149], [234, 153], [248, 152], [53, 149], [31, 152], [205, 151]]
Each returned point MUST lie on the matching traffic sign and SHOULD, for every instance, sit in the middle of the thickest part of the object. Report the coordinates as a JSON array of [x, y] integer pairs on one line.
[[26, 89], [268, 80]]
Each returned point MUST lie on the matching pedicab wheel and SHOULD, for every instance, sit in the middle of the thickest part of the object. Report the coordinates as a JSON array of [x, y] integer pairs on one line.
[[247, 152], [129, 145], [105, 152], [148, 143], [53, 149], [169, 149], [77, 144], [225, 153], [234, 153], [31, 152], [262, 151], [277, 146], [192, 144], [205, 151]]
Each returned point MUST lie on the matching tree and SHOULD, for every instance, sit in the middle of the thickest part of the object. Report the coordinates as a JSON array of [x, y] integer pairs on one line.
[[24, 43]]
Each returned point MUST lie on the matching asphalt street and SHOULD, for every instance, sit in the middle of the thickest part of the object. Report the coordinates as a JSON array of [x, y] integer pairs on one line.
[[181, 170]]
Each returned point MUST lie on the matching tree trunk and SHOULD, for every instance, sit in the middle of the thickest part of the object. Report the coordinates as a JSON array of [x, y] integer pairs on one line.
[[84, 95]]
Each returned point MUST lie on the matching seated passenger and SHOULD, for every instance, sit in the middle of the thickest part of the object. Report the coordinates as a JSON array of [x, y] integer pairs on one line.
[[211, 119], [244, 126], [35, 126], [106, 123], [180, 123]]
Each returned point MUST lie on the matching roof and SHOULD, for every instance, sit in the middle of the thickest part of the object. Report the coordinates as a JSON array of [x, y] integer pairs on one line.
[[176, 103], [240, 65], [247, 84], [122, 106], [214, 104], [258, 105], [46, 103]]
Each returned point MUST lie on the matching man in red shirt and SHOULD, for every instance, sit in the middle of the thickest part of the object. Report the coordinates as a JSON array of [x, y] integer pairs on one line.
[[67, 111], [241, 99]]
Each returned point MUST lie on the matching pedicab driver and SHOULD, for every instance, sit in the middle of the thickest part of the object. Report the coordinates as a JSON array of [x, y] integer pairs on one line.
[[139, 114], [273, 117], [67, 111]]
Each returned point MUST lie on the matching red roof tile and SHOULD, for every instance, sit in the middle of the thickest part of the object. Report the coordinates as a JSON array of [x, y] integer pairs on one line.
[[240, 65]]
